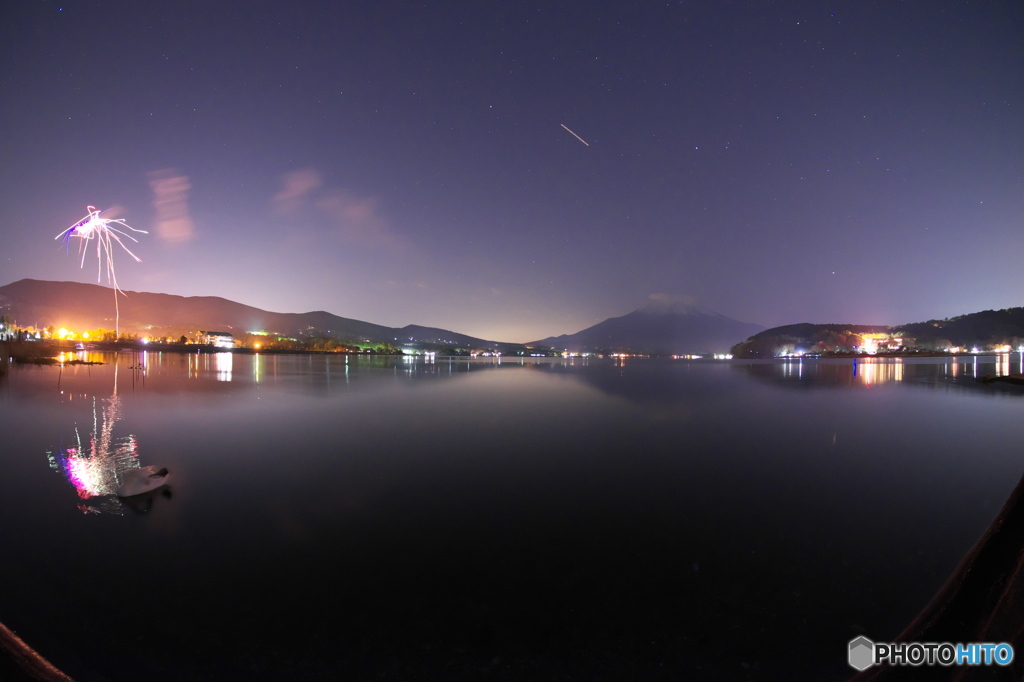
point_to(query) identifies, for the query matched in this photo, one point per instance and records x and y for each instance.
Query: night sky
(406, 163)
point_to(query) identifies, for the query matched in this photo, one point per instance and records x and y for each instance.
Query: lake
(335, 517)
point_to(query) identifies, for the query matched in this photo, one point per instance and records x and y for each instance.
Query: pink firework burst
(106, 232)
(103, 230)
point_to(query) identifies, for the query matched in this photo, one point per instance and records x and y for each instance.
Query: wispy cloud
(355, 219)
(298, 185)
(170, 199)
(358, 220)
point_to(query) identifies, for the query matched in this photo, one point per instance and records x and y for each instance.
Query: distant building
(217, 339)
(873, 343)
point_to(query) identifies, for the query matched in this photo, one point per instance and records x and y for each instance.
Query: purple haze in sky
(775, 162)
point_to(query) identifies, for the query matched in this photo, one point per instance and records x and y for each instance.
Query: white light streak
(575, 135)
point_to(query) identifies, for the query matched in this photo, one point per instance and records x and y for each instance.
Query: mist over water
(514, 519)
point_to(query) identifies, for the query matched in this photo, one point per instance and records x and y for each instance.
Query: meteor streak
(575, 135)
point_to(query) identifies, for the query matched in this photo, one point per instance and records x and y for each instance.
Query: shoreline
(24, 350)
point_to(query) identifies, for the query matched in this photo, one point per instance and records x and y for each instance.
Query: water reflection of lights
(224, 363)
(221, 364)
(870, 372)
(82, 356)
(96, 466)
(865, 372)
(969, 368)
(1003, 365)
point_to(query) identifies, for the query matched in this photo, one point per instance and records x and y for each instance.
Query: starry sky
(514, 170)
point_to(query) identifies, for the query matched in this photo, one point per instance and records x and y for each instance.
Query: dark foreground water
(385, 519)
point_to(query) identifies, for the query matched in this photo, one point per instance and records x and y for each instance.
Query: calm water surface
(382, 518)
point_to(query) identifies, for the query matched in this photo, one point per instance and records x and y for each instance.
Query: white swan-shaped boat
(142, 480)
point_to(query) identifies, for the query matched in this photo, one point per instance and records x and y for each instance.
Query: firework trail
(103, 230)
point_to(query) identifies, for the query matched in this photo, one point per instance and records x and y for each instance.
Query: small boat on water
(142, 480)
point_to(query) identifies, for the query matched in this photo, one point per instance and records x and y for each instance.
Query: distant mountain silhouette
(661, 328)
(78, 306)
(985, 329)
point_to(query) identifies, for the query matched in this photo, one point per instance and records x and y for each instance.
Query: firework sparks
(103, 230)
(106, 232)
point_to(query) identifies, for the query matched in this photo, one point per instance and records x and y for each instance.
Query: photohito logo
(863, 653)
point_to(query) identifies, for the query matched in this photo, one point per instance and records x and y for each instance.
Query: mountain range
(987, 329)
(658, 329)
(72, 305)
(661, 329)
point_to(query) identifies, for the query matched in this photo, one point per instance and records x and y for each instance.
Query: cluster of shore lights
(1004, 349)
(67, 334)
(692, 356)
